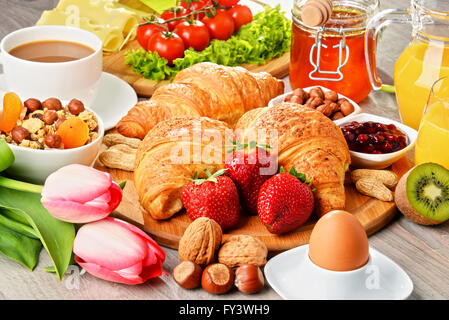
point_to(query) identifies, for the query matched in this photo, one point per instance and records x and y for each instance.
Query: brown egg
(339, 242)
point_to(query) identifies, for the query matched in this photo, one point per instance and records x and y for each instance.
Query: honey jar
(333, 55)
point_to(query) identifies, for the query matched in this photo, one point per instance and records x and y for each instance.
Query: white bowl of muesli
(37, 140)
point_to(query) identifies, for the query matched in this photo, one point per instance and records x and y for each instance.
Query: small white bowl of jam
(376, 142)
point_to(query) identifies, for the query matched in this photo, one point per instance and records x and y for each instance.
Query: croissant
(169, 156)
(203, 90)
(308, 141)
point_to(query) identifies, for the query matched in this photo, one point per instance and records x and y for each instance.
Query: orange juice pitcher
(424, 61)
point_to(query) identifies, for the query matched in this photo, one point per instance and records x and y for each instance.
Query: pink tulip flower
(114, 250)
(80, 194)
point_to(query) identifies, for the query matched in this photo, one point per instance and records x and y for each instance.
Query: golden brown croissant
(308, 141)
(169, 156)
(203, 90)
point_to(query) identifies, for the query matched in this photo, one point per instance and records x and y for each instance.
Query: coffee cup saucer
(115, 98)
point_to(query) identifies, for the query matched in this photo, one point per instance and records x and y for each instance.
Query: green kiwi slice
(428, 191)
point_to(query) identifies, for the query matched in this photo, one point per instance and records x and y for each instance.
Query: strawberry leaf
(210, 177)
(251, 145)
(301, 176)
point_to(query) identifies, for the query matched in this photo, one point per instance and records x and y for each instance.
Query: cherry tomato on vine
(221, 26)
(195, 5)
(144, 33)
(228, 3)
(171, 13)
(241, 15)
(195, 34)
(168, 45)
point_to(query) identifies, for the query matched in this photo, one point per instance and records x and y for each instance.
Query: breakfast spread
(47, 124)
(219, 163)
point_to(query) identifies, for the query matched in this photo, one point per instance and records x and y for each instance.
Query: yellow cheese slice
(110, 23)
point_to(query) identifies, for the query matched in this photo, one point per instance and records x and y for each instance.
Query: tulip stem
(19, 185)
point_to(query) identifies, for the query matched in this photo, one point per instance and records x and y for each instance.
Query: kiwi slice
(428, 191)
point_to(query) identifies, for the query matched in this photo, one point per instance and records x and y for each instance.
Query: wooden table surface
(423, 252)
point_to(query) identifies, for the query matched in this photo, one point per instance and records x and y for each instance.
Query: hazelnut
(338, 115)
(325, 109)
(288, 98)
(314, 102)
(59, 122)
(346, 107)
(217, 278)
(316, 93)
(303, 95)
(187, 275)
(76, 107)
(296, 99)
(249, 279)
(19, 134)
(53, 141)
(50, 116)
(331, 95)
(32, 105)
(52, 104)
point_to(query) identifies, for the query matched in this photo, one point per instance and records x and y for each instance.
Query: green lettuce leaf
(268, 36)
(56, 236)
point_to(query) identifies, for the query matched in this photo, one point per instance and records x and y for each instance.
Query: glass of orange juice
(432, 144)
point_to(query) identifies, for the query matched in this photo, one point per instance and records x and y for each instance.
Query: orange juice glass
(424, 61)
(432, 144)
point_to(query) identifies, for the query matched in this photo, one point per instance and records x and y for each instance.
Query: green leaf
(52, 269)
(8, 219)
(56, 236)
(159, 5)
(19, 247)
(122, 184)
(6, 156)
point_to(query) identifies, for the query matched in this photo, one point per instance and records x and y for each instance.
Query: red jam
(373, 137)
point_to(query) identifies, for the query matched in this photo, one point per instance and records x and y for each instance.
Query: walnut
(200, 241)
(239, 250)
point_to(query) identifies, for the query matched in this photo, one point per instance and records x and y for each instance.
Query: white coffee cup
(78, 79)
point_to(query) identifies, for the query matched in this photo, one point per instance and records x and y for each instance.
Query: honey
(332, 56)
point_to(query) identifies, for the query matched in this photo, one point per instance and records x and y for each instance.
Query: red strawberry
(248, 168)
(285, 202)
(215, 197)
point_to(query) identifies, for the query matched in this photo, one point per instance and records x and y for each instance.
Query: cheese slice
(111, 23)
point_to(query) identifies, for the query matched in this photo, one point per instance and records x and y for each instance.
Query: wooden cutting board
(115, 63)
(372, 213)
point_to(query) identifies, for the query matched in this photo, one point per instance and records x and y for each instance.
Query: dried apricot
(74, 133)
(12, 108)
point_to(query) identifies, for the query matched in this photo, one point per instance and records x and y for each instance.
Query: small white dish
(115, 98)
(35, 166)
(295, 277)
(380, 161)
(357, 109)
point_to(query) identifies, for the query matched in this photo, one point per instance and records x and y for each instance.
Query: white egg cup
(294, 276)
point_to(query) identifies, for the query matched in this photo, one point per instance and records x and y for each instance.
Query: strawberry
(246, 169)
(215, 197)
(285, 201)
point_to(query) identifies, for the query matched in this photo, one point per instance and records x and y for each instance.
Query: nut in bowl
(379, 159)
(332, 104)
(45, 136)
